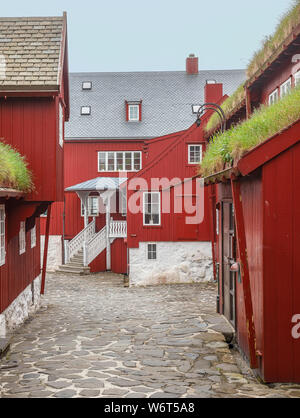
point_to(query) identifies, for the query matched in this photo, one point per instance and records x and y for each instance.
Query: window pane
(128, 161)
(133, 112)
(102, 161)
(111, 161)
(120, 161)
(137, 161)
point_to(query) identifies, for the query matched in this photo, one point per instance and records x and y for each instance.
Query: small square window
(195, 154)
(85, 110)
(87, 85)
(152, 252)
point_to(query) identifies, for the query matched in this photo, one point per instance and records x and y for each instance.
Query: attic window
(134, 111)
(87, 85)
(85, 110)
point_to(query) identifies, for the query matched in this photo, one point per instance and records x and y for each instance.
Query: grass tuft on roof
(285, 27)
(228, 106)
(14, 172)
(267, 121)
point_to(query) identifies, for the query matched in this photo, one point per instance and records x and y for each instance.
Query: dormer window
(87, 85)
(85, 110)
(133, 111)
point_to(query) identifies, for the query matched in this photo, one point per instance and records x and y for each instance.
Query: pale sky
(158, 35)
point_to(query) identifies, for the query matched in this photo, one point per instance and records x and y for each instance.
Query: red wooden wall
(19, 271)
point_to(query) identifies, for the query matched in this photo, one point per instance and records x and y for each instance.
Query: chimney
(213, 91)
(192, 64)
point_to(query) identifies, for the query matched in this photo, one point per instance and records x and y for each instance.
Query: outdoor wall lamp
(216, 108)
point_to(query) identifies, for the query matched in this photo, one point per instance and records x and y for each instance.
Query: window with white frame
(285, 88)
(113, 161)
(2, 235)
(93, 206)
(33, 237)
(61, 125)
(22, 238)
(151, 251)
(273, 98)
(86, 110)
(151, 208)
(195, 154)
(87, 85)
(133, 112)
(297, 79)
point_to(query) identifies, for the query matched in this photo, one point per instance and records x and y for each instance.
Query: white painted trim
(3, 254)
(115, 161)
(297, 78)
(22, 238)
(33, 237)
(274, 97)
(283, 86)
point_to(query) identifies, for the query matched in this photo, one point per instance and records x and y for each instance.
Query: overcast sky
(150, 35)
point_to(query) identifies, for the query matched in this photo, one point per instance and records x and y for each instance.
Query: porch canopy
(106, 186)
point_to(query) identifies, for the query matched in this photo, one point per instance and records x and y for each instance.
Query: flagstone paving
(94, 338)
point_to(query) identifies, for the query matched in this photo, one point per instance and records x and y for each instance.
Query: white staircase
(87, 245)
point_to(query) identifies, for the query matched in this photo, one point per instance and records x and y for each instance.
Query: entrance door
(229, 257)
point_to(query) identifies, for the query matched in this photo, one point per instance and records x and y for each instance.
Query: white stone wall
(21, 308)
(54, 252)
(177, 262)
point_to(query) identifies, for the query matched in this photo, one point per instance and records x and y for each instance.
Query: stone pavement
(95, 338)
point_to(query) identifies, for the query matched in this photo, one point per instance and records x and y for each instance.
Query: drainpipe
(46, 251)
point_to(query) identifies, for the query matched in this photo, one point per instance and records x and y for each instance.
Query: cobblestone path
(95, 338)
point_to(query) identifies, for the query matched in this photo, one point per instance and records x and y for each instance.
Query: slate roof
(30, 52)
(167, 102)
(99, 183)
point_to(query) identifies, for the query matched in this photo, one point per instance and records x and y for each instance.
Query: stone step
(74, 269)
(4, 346)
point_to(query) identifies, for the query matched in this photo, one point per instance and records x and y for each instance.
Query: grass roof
(285, 27)
(230, 146)
(228, 105)
(14, 172)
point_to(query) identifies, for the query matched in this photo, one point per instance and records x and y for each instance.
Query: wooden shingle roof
(31, 52)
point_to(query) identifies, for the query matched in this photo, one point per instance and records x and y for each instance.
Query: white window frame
(61, 125)
(22, 238)
(189, 154)
(297, 78)
(90, 206)
(2, 235)
(87, 85)
(284, 91)
(149, 251)
(115, 170)
(137, 108)
(159, 209)
(33, 237)
(273, 97)
(86, 110)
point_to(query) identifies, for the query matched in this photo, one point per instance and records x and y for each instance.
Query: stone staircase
(75, 266)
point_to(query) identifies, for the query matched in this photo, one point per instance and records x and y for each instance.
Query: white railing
(76, 244)
(118, 229)
(94, 247)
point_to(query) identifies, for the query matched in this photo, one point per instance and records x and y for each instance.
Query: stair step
(73, 270)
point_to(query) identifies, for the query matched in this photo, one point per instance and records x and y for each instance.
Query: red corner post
(46, 250)
(242, 250)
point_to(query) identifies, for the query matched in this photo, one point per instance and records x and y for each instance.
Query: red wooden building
(121, 127)
(34, 102)
(256, 216)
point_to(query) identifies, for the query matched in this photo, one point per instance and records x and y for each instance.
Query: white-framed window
(33, 237)
(93, 206)
(274, 97)
(61, 125)
(87, 85)
(133, 112)
(114, 161)
(2, 235)
(297, 78)
(285, 88)
(22, 238)
(195, 154)
(151, 208)
(151, 251)
(86, 110)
